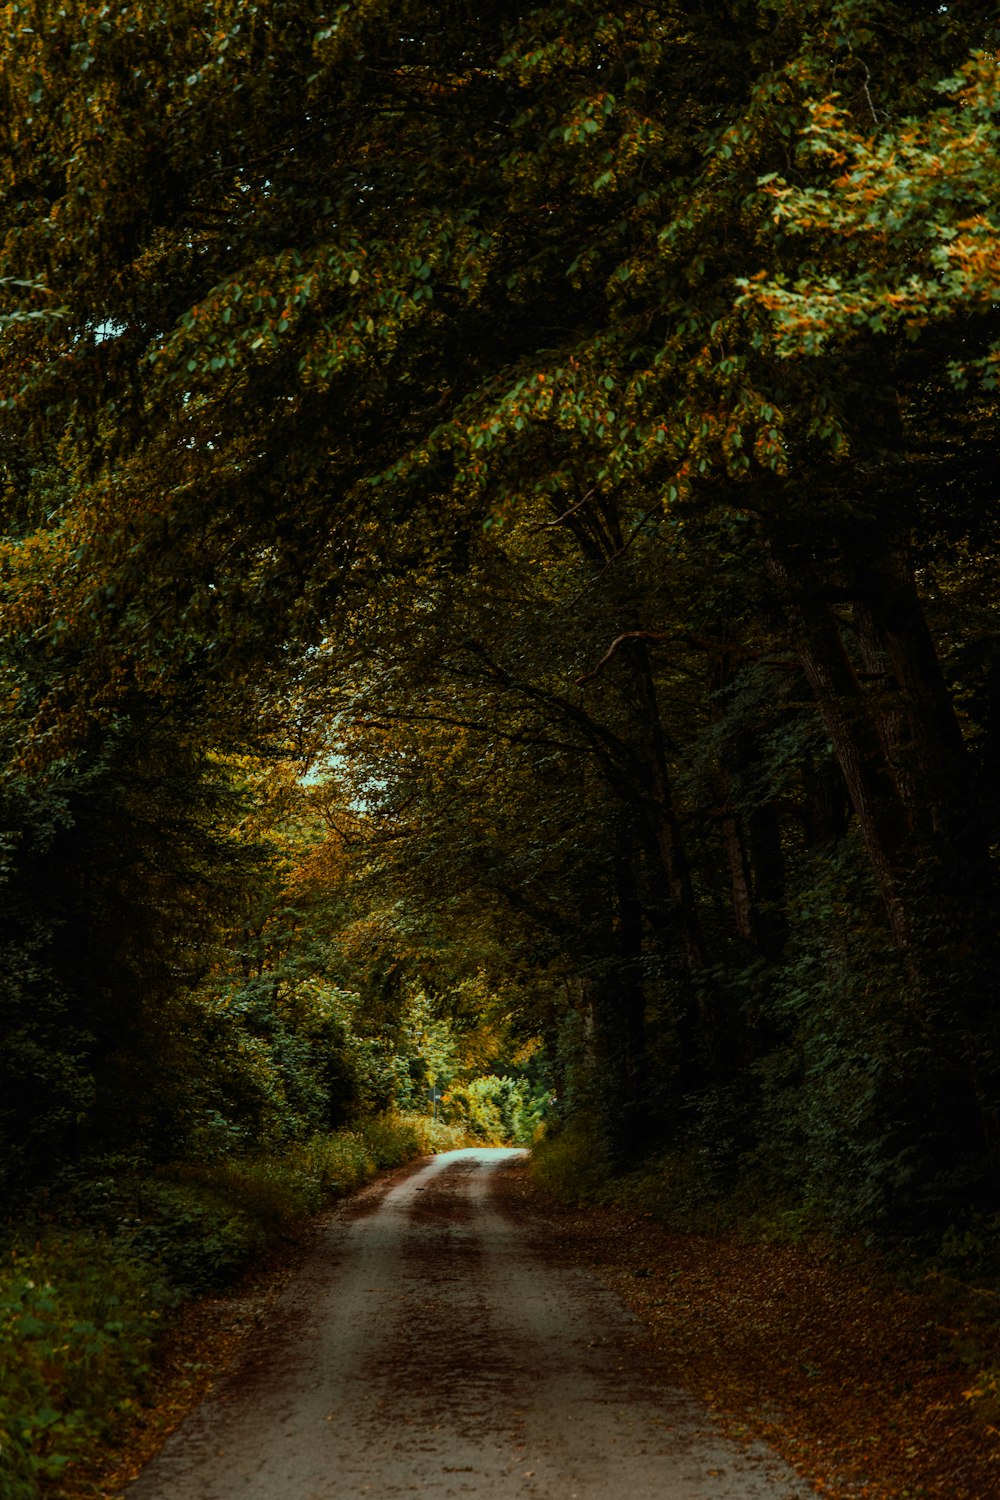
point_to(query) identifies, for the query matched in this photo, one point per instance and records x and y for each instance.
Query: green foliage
(390, 1139)
(77, 1322)
(79, 1314)
(278, 1057)
(199, 1221)
(495, 1111)
(435, 1135)
(394, 1138)
(923, 183)
(455, 597)
(570, 1164)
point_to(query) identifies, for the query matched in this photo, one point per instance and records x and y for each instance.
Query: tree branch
(616, 644)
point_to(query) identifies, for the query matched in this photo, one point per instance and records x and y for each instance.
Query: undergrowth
(77, 1322)
(86, 1287)
(683, 1188)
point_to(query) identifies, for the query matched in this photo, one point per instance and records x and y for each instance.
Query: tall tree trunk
(826, 811)
(738, 864)
(662, 816)
(936, 775)
(751, 840)
(767, 862)
(626, 1023)
(959, 896)
(919, 826)
(874, 793)
(887, 711)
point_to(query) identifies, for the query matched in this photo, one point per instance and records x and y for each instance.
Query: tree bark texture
(872, 787)
(935, 771)
(751, 836)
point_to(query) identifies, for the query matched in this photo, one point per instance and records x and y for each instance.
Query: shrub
(79, 1313)
(494, 1110)
(392, 1139)
(77, 1320)
(570, 1165)
(435, 1136)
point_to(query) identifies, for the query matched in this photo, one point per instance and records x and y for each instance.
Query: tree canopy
(554, 444)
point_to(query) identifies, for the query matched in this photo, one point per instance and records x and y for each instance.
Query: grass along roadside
(92, 1291)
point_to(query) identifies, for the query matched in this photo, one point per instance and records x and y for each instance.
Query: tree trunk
(626, 1026)
(826, 810)
(659, 812)
(751, 840)
(767, 862)
(936, 774)
(740, 882)
(871, 785)
(910, 783)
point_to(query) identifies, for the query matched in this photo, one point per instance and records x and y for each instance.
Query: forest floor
(859, 1384)
(863, 1385)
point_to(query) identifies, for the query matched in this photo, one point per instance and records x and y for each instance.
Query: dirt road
(430, 1347)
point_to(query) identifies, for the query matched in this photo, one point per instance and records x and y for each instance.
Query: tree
(351, 302)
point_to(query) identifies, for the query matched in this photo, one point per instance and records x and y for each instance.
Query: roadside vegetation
(94, 1271)
(249, 1043)
(85, 1293)
(498, 616)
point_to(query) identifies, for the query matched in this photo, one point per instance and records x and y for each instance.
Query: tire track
(429, 1347)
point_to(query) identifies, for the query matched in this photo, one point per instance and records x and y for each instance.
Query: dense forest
(499, 587)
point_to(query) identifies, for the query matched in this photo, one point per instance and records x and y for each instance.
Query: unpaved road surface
(431, 1347)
